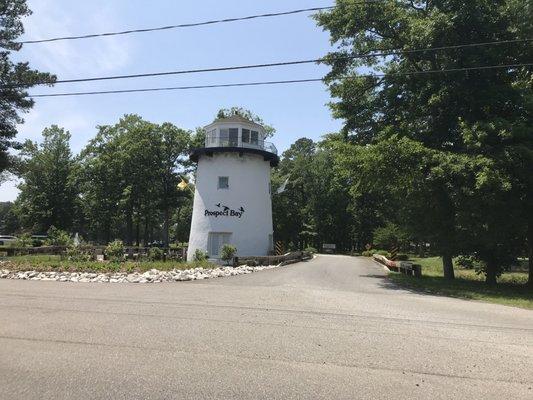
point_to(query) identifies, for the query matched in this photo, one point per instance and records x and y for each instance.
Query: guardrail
(134, 253)
(218, 141)
(23, 251)
(130, 252)
(285, 259)
(403, 267)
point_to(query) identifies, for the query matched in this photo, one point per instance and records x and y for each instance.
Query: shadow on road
(503, 293)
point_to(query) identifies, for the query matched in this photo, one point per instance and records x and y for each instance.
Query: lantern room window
(254, 137)
(233, 136)
(237, 134)
(246, 135)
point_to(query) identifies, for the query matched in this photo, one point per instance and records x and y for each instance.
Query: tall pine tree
(15, 78)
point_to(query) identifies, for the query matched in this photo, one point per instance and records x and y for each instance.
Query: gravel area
(152, 276)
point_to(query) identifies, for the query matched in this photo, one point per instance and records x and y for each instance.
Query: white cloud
(70, 59)
(78, 57)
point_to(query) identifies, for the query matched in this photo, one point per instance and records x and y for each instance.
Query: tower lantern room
(232, 200)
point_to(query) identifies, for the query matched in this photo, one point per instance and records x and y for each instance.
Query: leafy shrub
(389, 236)
(24, 240)
(310, 249)
(76, 254)
(228, 252)
(173, 256)
(292, 247)
(155, 254)
(251, 263)
(37, 242)
(58, 237)
(371, 252)
(114, 251)
(466, 262)
(200, 255)
(503, 262)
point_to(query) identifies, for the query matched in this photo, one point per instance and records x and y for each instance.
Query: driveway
(331, 328)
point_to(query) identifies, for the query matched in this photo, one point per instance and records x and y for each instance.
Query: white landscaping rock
(152, 276)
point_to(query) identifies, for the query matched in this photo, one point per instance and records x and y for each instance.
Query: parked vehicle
(6, 240)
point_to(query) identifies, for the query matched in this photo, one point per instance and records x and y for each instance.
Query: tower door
(215, 241)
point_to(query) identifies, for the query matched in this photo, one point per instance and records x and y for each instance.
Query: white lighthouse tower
(232, 201)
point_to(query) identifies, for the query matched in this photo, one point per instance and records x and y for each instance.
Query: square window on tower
(223, 182)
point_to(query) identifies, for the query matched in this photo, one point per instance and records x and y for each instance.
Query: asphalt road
(331, 328)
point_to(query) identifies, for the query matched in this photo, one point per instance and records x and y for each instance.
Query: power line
(179, 88)
(381, 53)
(168, 27)
(292, 81)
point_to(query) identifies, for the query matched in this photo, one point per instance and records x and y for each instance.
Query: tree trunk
(530, 265)
(178, 221)
(490, 278)
(107, 234)
(166, 227)
(145, 233)
(447, 266)
(421, 249)
(129, 227)
(530, 251)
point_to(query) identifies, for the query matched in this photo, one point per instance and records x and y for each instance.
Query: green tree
(247, 114)
(494, 214)
(138, 142)
(182, 216)
(315, 207)
(197, 139)
(100, 181)
(291, 208)
(116, 179)
(9, 222)
(453, 119)
(390, 236)
(15, 78)
(47, 194)
(58, 237)
(171, 159)
(129, 175)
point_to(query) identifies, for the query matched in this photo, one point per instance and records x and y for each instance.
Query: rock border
(152, 276)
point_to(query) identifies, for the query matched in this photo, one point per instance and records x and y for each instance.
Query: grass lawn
(511, 289)
(40, 262)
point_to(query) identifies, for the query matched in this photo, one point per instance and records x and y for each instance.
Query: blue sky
(294, 110)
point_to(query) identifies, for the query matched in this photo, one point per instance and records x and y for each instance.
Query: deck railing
(222, 141)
